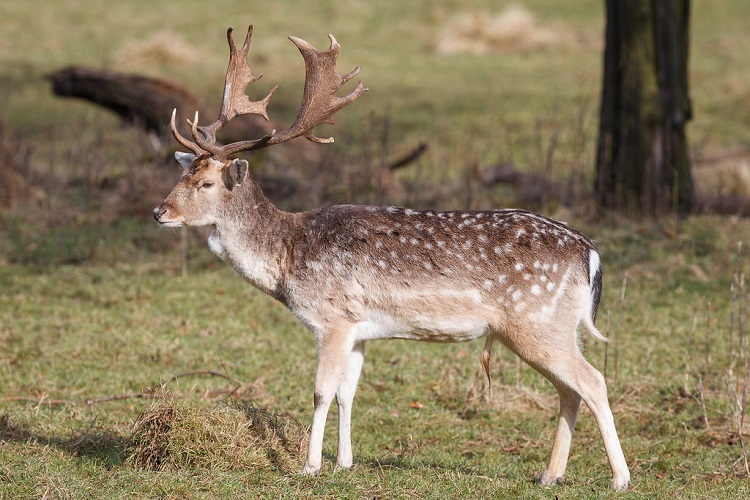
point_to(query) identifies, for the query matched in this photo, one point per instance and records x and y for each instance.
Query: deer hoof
(310, 470)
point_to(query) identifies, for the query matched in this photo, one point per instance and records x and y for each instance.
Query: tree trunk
(642, 160)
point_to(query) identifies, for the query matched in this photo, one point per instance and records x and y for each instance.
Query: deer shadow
(103, 446)
(411, 464)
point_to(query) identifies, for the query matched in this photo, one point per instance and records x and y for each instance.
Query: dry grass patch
(513, 29)
(230, 436)
(159, 50)
(722, 172)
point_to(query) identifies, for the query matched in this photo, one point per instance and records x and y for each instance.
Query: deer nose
(158, 212)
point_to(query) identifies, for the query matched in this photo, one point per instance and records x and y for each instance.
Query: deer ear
(184, 159)
(238, 171)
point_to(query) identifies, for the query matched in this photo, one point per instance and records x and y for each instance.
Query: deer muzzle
(158, 213)
(161, 216)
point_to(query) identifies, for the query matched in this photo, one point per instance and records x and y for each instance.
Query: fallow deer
(355, 273)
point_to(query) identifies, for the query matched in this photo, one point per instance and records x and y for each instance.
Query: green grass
(80, 333)
(95, 306)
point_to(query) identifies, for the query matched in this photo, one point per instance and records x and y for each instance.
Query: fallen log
(143, 101)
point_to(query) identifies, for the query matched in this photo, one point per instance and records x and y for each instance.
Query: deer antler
(319, 100)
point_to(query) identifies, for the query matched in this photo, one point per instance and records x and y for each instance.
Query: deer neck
(255, 238)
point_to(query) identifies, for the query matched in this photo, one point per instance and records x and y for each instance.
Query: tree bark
(642, 160)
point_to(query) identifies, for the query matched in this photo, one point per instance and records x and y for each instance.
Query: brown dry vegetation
(514, 29)
(234, 435)
(19, 188)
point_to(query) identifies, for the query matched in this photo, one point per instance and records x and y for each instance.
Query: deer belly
(427, 326)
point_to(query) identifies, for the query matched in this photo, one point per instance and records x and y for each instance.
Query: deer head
(210, 175)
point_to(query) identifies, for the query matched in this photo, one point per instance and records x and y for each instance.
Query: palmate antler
(319, 100)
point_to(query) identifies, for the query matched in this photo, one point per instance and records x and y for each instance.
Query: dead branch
(409, 157)
(211, 373)
(41, 401)
(146, 393)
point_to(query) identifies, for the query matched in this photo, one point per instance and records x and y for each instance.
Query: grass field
(132, 363)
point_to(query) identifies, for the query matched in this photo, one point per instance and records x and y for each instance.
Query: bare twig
(606, 344)
(742, 324)
(43, 401)
(619, 324)
(78, 441)
(742, 396)
(148, 392)
(195, 373)
(741, 401)
(409, 157)
(708, 339)
(237, 384)
(689, 353)
(735, 287)
(702, 401)
(183, 252)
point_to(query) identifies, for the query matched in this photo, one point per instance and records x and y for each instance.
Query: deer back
(495, 266)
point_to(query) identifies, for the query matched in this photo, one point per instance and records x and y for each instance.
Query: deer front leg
(334, 348)
(345, 399)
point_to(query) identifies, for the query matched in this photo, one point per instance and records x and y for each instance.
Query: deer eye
(206, 185)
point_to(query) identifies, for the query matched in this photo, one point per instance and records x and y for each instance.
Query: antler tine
(319, 99)
(207, 146)
(234, 102)
(179, 138)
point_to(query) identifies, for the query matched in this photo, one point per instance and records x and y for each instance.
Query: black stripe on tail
(596, 292)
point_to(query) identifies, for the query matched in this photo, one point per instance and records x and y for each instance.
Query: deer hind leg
(345, 399)
(570, 402)
(593, 389)
(558, 358)
(334, 349)
(577, 380)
